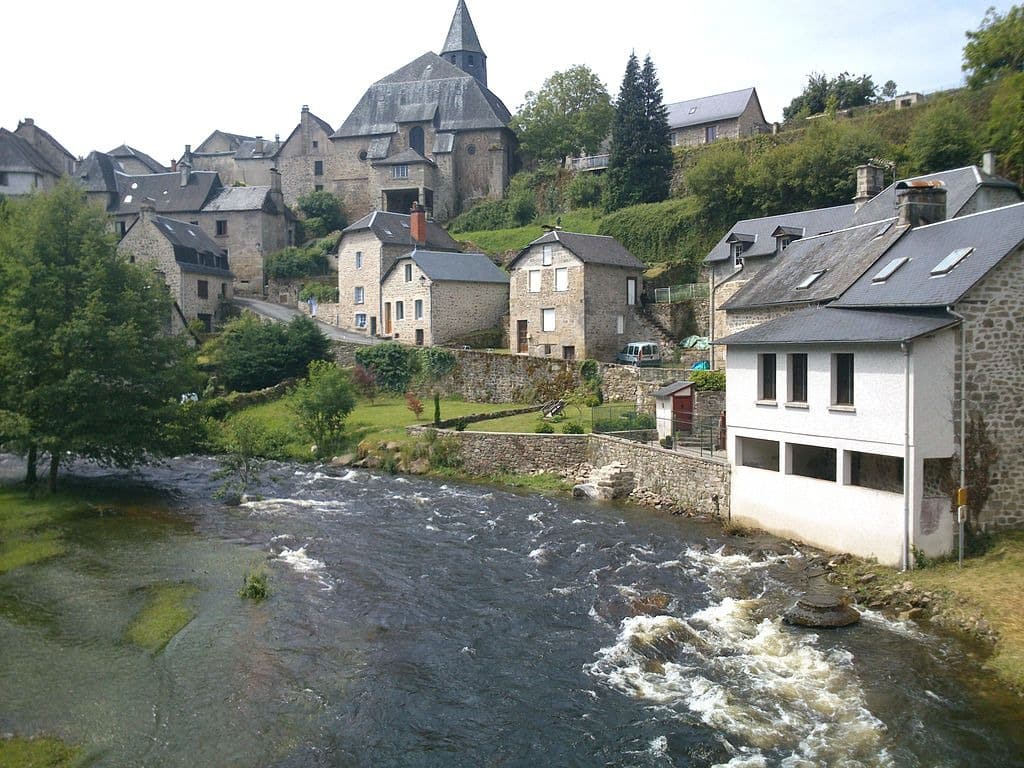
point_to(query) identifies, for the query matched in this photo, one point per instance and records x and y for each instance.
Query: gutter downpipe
(963, 420)
(905, 346)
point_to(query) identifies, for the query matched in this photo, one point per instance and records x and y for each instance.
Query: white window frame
(359, 295)
(547, 319)
(620, 325)
(631, 291)
(546, 257)
(360, 319)
(417, 309)
(561, 279)
(400, 172)
(399, 310)
(408, 273)
(359, 259)
(533, 281)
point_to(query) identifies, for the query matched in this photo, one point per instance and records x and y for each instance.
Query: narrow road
(284, 314)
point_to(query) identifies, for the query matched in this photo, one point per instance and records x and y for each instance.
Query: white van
(640, 353)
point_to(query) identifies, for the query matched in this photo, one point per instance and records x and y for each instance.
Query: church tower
(462, 47)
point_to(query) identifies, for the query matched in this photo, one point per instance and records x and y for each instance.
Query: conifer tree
(640, 165)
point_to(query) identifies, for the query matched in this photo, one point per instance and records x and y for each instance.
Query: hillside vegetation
(810, 165)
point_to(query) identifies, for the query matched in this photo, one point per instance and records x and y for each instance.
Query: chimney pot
(920, 203)
(305, 107)
(988, 162)
(418, 224)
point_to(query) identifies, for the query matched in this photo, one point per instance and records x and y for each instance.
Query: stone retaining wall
(696, 484)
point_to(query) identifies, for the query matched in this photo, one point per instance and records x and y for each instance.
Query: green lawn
(527, 422)
(499, 241)
(384, 421)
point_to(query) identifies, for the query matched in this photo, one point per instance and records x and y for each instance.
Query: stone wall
(995, 379)
(486, 377)
(696, 484)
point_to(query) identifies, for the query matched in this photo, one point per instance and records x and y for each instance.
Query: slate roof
(462, 34)
(49, 137)
(194, 250)
(125, 151)
(239, 199)
(671, 389)
(247, 149)
(842, 256)
(461, 101)
(98, 173)
(960, 183)
(454, 267)
(812, 222)
(17, 155)
(709, 109)
(166, 192)
(993, 234)
(234, 140)
(818, 325)
(407, 156)
(393, 229)
(324, 126)
(590, 249)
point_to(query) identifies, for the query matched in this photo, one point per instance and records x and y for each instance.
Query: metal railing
(676, 293)
(590, 163)
(706, 435)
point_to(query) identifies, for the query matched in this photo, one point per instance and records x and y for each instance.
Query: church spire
(462, 47)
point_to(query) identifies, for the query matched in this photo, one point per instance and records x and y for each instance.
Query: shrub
(572, 428)
(543, 428)
(585, 190)
(708, 381)
(323, 214)
(485, 215)
(255, 355)
(255, 586)
(436, 363)
(414, 404)
(365, 382)
(666, 441)
(392, 364)
(294, 262)
(445, 453)
(324, 293)
(322, 402)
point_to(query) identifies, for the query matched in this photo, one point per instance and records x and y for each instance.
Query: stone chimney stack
(920, 202)
(275, 182)
(259, 145)
(988, 162)
(870, 181)
(147, 207)
(418, 224)
(185, 169)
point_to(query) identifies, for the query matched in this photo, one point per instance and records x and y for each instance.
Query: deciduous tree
(996, 47)
(322, 402)
(570, 115)
(86, 367)
(840, 92)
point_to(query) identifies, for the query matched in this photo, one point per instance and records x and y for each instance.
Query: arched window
(416, 139)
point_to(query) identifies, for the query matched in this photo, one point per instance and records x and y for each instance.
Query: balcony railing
(590, 163)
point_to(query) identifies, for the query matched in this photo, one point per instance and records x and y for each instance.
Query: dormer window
(737, 255)
(400, 172)
(783, 242)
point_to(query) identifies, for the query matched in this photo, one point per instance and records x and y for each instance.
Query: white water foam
(301, 562)
(757, 682)
(278, 506)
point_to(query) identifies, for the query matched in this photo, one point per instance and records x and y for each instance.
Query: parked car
(640, 353)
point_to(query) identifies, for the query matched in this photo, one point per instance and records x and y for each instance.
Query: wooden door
(682, 411)
(522, 343)
(387, 318)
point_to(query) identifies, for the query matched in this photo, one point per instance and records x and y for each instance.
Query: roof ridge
(970, 215)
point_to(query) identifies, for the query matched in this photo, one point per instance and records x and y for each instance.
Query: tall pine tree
(640, 166)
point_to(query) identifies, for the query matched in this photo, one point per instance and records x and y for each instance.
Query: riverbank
(980, 601)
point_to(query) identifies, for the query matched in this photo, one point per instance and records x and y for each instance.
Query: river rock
(822, 609)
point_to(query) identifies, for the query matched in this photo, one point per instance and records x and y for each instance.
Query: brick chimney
(870, 181)
(988, 162)
(418, 224)
(920, 202)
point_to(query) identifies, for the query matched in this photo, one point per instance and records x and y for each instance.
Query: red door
(682, 411)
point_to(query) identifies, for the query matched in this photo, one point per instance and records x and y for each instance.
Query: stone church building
(430, 133)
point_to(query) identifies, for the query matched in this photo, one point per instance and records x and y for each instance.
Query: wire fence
(677, 293)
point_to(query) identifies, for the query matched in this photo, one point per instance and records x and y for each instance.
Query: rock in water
(822, 608)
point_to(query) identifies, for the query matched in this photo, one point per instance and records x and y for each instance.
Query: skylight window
(945, 266)
(135, 185)
(692, 110)
(810, 279)
(883, 229)
(127, 198)
(887, 271)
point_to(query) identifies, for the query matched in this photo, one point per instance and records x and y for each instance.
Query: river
(418, 623)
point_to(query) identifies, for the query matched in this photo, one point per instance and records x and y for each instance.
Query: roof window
(947, 264)
(808, 281)
(883, 229)
(887, 271)
(693, 109)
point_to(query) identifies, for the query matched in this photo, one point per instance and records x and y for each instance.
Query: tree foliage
(640, 162)
(393, 365)
(570, 115)
(1006, 125)
(322, 402)
(942, 138)
(322, 212)
(254, 354)
(996, 47)
(86, 366)
(823, 93)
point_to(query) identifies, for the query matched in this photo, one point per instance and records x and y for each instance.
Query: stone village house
(721, 116)
(367, 250)
(574, 296)
(433, 298)
(247, 223)
(846, 391)
(31, 159)
(191, 263)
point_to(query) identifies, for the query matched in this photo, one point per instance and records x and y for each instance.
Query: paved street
(285, 314)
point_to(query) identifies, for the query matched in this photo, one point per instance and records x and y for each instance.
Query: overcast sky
(159, 76)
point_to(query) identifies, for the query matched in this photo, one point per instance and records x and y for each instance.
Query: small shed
(674, 409)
